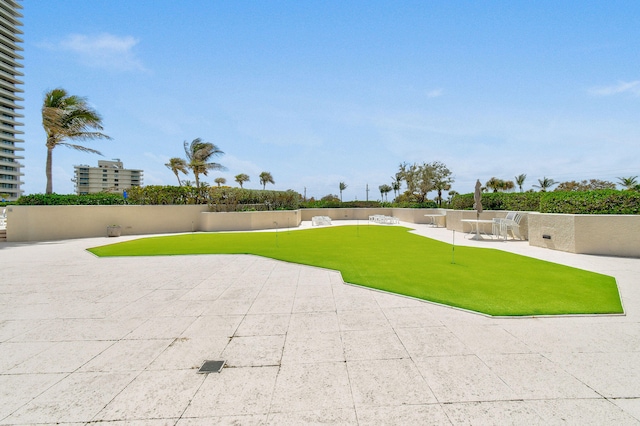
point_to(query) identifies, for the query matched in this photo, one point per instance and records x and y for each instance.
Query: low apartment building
(109, 176)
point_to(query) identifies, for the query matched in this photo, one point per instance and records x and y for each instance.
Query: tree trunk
(49, 189)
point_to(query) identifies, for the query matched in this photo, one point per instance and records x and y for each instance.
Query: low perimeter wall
(611, 235)
(46, 223)
(615, 235)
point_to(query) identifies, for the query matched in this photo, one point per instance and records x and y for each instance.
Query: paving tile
(343, 416)
(310, 322)
(152, 395)
(184, 308)
(427, 342)
(234, 392)
(419, 316)
(462, 378)
(613, 375)
(372, 344)
(390, 300)
(204, 292)
(631, 406)
(13, 328)
(189, 353)
(313, 347)
(146, 422)
(62, 357)
(303, 387)
(77, 398)
(314, 304)
(534, 376)
(254, 351)
(489, 338)
(248, 420)
(161, 328)
(214, 325)
(17, 390)
(81, 329)
(426, 414)
(581, 412)
(263, 325)
(228, 307)
(349, 298)
(127, 355)
(15, 353)
(388, 382)
(493, 413)
(366, 319)
(272, 305)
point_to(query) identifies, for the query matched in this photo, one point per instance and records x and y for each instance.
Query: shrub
(101, 198)
(516, 201)
(591, 202)
(234, 199)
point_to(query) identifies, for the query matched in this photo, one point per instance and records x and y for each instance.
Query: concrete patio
(119, 341)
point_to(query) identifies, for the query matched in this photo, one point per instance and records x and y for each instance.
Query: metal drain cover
(211, 367)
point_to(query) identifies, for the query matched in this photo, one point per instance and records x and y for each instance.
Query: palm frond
(80, 148)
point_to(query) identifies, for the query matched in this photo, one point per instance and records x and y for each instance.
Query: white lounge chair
(511, 223)
(382, 219)
(320, 220)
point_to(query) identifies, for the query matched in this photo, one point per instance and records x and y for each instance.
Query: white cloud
(632, 87)
(436, 93)
(101, 51)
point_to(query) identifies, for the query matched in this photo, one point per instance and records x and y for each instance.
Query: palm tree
(265, 178)
(545, 183)
(520, 180)
(199, 154)
(242, 178)
(220, 181)
(68, 118)
(396, 183)
(177, 165)
(384, 190)
(342, 187)
(628, 182)
(494, 183)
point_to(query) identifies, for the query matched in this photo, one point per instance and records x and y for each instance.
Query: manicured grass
(392, 259)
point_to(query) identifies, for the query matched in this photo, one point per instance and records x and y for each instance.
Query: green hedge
(515, 201)
(239, 199)
(319, 204)
(605, 201)
(102, 199)
(234, 199)
(156, 194)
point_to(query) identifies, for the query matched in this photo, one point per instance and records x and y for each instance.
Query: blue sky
(323, 92)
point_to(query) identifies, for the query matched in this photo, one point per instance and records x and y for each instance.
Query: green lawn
(392, 259)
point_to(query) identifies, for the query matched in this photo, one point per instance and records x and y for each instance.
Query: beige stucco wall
(614, 235)
(405, 215)
(46, 223)
(248, 221)
(345, 214)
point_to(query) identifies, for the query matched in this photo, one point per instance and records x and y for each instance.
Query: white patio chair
(511, 223)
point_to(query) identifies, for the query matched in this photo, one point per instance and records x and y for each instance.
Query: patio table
(476, 226)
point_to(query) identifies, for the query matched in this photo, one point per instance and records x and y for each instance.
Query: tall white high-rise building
(10, 167)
